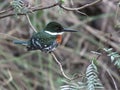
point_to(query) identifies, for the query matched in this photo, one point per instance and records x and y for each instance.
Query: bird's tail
(25, 43)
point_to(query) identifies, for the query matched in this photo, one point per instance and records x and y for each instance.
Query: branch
(31, 23)
(62, 71)
(79, 8)
(101, 37)
(116, 88)
(33, 9)
(60, 4)
(53, 5)
(9, 80)
(4, 11)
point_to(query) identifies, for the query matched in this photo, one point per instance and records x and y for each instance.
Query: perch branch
(61, 68)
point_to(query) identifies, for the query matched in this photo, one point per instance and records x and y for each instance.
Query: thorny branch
(60, 4)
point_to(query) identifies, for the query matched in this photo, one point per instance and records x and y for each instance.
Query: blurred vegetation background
(35, 70)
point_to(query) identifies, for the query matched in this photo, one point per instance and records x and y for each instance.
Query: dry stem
(60, 65)
(60, 4)
(31, 23)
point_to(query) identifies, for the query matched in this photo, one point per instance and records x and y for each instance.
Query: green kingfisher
(47, 39)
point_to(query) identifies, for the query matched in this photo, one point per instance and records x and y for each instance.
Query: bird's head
(55, 28)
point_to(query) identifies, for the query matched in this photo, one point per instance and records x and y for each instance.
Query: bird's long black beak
(69, 30)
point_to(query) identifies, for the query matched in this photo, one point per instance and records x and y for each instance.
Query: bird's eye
(59, 29)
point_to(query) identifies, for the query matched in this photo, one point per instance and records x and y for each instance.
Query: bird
(47, 39)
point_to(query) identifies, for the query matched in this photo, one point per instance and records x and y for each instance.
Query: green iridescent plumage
(42, 41)
(45, 40)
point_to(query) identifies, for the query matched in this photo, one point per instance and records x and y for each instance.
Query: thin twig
(3, 35)
(31, 10)
(82, 13)
(53, 5)
(116, 88)
(10, 78)
(4, 11)
(117, 10)
(99, 36)
(31, 23)
(62, 71)
(110, 73)
(116, 16)
(79, 8)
